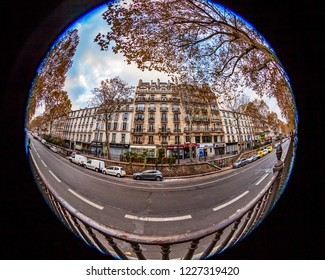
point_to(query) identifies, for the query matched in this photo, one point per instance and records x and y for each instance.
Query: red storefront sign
(187, 145)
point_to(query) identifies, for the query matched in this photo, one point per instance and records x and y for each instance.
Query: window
(176, 117)
(177, 140)
(125, 116)
(115, 126)
(100, 137)
(113, 137)
(164, 107)
(123, 138)
(152, 107)
(164, 128)
(138, 128)
(139, 117)
(206, 139)
(89, 137)
(163, 117)
(197, 139)
(151, 117)
(164, 138)
(151, 128)
(140, 107)
(150, 139)
(124, 125)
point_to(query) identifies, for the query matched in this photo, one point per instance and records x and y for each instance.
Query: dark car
(240, 162)
(148, 175)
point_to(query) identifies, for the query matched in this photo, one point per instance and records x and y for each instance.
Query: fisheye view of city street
(161, 129)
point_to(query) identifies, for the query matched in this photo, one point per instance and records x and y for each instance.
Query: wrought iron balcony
(161, 130)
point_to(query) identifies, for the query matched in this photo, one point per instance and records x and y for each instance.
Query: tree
(197, 38)
(51, 75)
(56, 107)
(237, 106)
(273, 121)
(259, 111)
(110, 98)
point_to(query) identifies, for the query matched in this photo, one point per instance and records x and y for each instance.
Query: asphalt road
(172, 206)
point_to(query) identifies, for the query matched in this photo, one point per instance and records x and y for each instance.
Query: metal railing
(198, 244)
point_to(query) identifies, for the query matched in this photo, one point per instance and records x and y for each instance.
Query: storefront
(232, 148)
(151, 151)
(96, 148)
(187, 150)
(205, 150)
(219, 148)
(116, 150)
(175, 150)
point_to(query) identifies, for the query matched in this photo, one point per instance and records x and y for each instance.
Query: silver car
(148, 175)
(117, 171)
(239, 163)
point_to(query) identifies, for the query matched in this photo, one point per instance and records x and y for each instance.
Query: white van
(95, 164)
(78, 159)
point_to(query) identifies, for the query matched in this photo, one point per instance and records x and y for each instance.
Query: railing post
(278, 168)
(137, 250)
(191, 250)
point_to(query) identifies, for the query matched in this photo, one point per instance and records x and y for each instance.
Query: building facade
(162, 122)
(85, 130)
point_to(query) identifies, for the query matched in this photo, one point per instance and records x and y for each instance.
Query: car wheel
(158, 178)
(104, 172)
(96, 169)
(85, 166)
(118, 175)
(138, 178)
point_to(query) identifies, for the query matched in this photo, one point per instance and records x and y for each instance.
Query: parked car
(95, 164)
(148, 175)
(43, 141)
(240, 162)
(78, 159)
(260, 154)
(266, 151)
(117, 171)
(54, 149)
(252, 158)
(270, 148)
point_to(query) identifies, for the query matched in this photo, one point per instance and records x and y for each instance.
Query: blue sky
(91, 66)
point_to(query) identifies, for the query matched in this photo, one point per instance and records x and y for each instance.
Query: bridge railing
(198, 244)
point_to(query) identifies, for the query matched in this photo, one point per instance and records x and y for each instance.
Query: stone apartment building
(233, 138)
(161, 121)
(84, 130)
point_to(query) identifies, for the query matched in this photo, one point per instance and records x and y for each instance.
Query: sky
(91, 65)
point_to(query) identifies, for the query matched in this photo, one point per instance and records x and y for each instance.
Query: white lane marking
(160, 219)
(230, 201)
(43, 163)
(260, 180)
(38, 155)
(56, 178)
(33, 146)
(86, 200)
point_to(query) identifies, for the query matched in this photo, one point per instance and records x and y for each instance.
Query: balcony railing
(162, 130)
(198, 244)
(138, 130)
